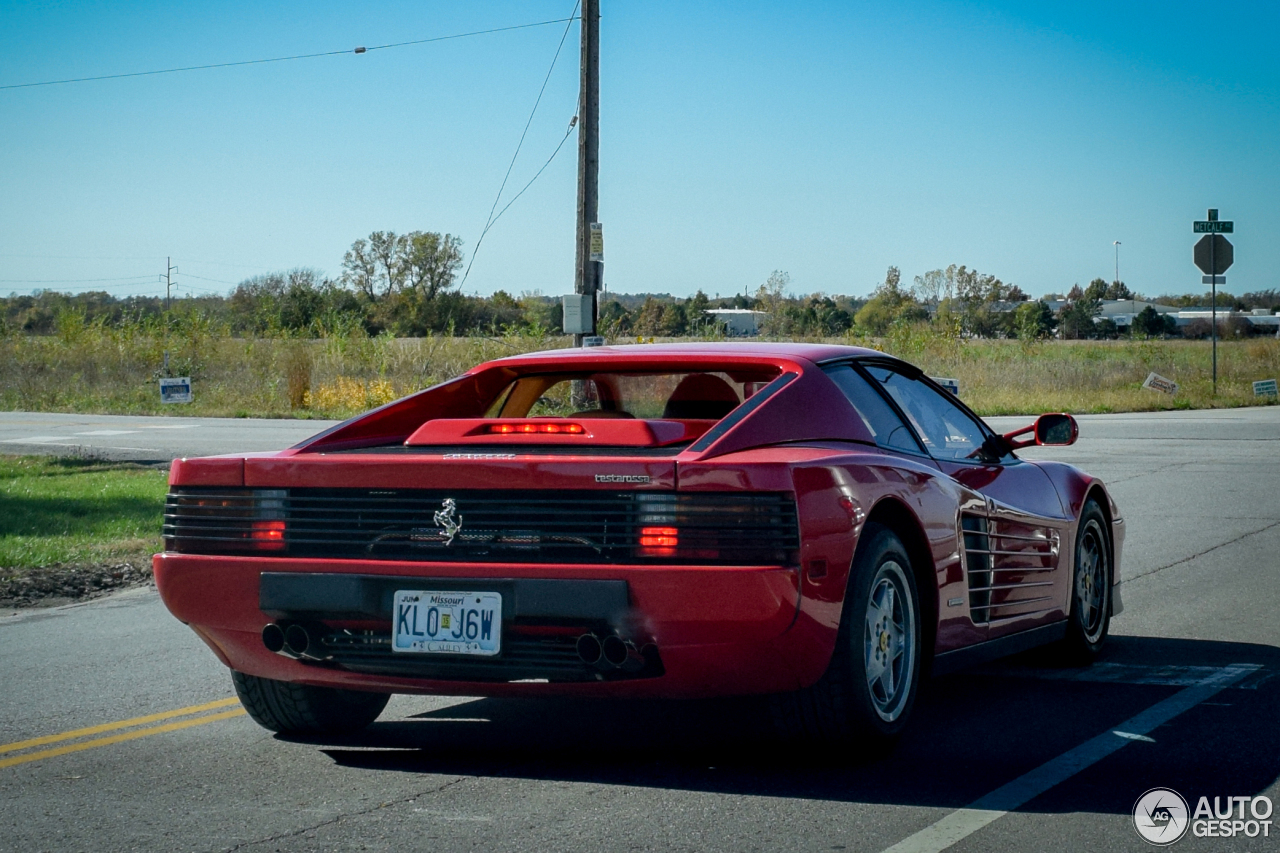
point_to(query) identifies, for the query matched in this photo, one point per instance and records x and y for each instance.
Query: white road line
(169, 426)
(964, 822)
(1166, 675)
(108, 432)
(38, 439)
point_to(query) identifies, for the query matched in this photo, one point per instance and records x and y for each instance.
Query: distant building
(1122, 311)
(738, 321)
(1258, 318)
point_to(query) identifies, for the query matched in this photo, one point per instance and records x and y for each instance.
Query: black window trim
(893, 407)
(912, 372)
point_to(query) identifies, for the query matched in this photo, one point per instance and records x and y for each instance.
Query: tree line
(406, 285)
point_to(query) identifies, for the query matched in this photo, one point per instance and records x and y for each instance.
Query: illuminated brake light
(268, 535)
(659, 541)
(532, 428)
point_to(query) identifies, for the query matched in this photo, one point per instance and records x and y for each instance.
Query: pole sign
(176, 389)
(1213, 254)
(1203, 226)
(1212, 225)
(597, 243)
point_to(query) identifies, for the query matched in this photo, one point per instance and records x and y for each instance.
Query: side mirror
(1054, 430)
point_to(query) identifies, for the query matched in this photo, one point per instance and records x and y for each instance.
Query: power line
(288, 58)
(489, 222)
(202, 278)
(563, 140)
(67, 280)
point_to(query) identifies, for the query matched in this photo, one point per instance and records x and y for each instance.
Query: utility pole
(170, 269)
(588, 273)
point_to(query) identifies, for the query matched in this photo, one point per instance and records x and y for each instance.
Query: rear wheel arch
(898, 518)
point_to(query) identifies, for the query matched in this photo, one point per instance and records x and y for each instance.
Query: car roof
(696, 352)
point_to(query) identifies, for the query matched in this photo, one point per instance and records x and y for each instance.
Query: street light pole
(1116, 243)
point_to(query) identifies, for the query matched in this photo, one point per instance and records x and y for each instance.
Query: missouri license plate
(451, 623)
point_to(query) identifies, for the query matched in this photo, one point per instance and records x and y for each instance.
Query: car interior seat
(701, 396)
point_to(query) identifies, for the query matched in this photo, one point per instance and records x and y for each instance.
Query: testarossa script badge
(622, 478)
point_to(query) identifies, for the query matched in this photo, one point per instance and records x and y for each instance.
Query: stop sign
(1214, 254)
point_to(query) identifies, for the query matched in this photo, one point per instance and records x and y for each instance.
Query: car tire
(863, 701)
(1089, 619)
(303, 709)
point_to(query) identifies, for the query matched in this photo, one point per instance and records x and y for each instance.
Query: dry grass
(115, 371)
(98, 368)
(1008, 377)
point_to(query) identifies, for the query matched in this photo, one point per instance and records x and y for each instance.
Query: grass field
(77, 512)
(113, 370)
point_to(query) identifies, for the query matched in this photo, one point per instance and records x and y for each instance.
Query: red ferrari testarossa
(820, 523)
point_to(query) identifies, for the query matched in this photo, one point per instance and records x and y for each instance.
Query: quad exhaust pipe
(294, 640)
(301, 641)
(610, 652)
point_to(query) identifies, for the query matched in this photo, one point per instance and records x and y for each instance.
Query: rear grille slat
(494, 525)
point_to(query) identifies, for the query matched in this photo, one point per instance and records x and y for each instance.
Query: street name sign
(1204, 226)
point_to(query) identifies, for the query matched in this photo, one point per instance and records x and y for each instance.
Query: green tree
(1149, 323)
(648, 319)
(1077, 318)
(1118, 290)
(1033, 321)
(430, 261)
(889, 303)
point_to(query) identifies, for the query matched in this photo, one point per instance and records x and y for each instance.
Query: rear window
(672, 395)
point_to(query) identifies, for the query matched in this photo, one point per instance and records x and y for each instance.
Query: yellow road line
(120, 738)
(111, 727)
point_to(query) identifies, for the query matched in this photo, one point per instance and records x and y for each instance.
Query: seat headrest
(701, 396)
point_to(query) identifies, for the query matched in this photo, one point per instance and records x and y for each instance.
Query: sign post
(1213, 254)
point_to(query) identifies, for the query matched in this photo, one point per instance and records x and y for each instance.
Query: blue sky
(829, 140)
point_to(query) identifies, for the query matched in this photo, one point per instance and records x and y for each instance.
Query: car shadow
(973, 732)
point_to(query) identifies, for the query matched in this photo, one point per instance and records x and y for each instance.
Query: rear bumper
(720, 630)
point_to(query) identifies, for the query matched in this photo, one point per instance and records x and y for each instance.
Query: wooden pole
(588, 273)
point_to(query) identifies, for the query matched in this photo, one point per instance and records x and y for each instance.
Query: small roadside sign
(952, 385)
(1266, 388)
(176, 389)
(1213, 279)
(1156, 382)
(592, 340)
(597, 243)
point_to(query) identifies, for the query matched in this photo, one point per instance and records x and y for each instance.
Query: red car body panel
(720, 629)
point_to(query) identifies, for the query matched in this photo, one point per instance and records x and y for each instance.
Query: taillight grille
(486, 526)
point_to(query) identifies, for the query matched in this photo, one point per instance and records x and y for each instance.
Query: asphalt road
(146, 438)
(1016, 756)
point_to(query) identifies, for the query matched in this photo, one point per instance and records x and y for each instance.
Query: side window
(947, 430)
(882, 421)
